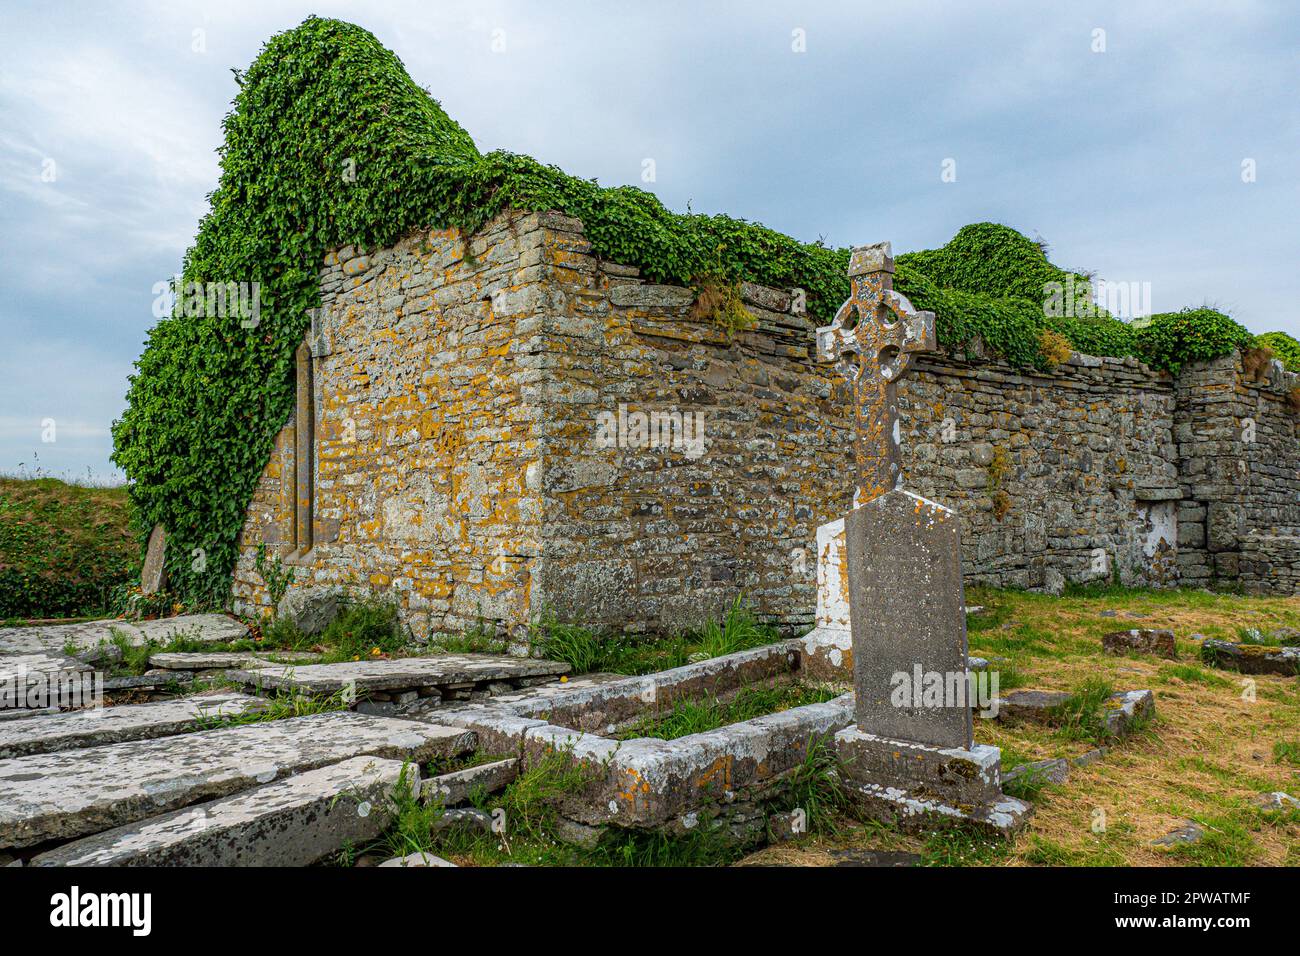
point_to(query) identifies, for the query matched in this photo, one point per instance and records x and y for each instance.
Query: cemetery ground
(1220, 740)
(1198, 770)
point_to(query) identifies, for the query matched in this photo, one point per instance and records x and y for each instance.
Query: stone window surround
(304, 458)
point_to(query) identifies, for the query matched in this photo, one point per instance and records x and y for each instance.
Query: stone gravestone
(153, 576)
(910, 756)
(871, 341)
(908, 617)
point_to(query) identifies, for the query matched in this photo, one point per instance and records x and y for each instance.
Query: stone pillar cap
(865, 260)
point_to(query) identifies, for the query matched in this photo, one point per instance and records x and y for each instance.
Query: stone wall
(521, 428)
(744, 452)
(1239, 470)
(1060, 476)
(427, 450)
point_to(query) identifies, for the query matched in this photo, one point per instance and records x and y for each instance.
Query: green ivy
(330, 143)
(1171, 339)
(1285, 348)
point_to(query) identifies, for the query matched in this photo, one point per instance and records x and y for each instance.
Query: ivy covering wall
(330, 142)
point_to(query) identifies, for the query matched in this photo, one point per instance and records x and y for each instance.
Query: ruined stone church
(495, 429)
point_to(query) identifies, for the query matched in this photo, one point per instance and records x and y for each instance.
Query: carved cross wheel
(872, 340)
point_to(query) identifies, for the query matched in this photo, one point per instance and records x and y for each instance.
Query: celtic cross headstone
(911, 751)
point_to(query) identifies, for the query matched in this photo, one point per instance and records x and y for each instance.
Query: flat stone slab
(1056, 770)
(1126, 707)
(1189, 832)
(418, 859)
(112, 725)
(1036, 705)
(292, 822)
(1252, 658)
(226, 660)
(456, 787)
(156, 680)
(88, 635)
(403, 673)
(1158, 642)
(42, 680)
(73, 793)
(1277, 800)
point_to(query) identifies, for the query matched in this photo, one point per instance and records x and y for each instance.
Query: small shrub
(1172, 339)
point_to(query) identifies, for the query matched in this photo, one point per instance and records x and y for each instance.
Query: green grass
(64, 549)
(1083, 716)
(577, 646)
(697, 716)
(477, 640)
(411, 830)
(361, 628)
(1226, 842)
(1287, 751)
(1193, 674)
(280, 707)
(587, 650)
(1257, 636)
(738, 630)
(1028, 785)
(1101, 852)
(816, 788)
(963, 846)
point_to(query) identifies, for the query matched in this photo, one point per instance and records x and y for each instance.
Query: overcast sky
(1124, 149)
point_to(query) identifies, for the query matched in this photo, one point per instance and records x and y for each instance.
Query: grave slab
(418, 859)
(153, 576)
(1158, 642)
(456, 787)
(915, 786)
(227, 660)
(400, 674)
(44, 679)
(1252, 658)
(111, 725)
(292, 822)
(88, 635)
(73, 793)
(908, 620)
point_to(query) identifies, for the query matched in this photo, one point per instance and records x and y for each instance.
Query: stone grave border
(647, 782)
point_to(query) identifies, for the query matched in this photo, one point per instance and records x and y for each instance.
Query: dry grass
(1207, 755)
